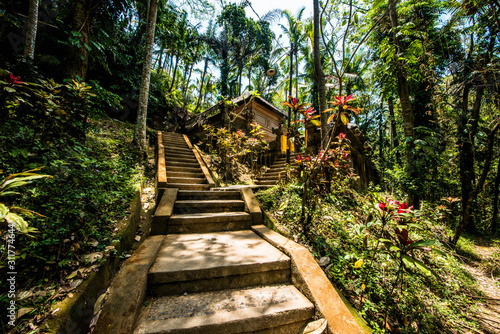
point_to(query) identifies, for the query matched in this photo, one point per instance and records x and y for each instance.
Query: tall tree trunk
(77, 59)
(186, 84)
(205, 68)
(160, 60)
(140, 127)
(394, 133)
(320, 77)
(289, 109)
(381, 132)
(496, 190)
(404, 98)
(468, 206)
(174, 74)
(29, 51)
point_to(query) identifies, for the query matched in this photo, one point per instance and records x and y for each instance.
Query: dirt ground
(488, 314)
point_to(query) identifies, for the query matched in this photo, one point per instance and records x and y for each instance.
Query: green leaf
(377, 4)
(19, 223)
(423, 243)
(4, 210)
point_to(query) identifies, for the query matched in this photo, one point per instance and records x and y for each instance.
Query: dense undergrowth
(396, 287)
(93, 181)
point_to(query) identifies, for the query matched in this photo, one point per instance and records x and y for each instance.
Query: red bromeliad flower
(294, 104)
(341, 136)
(11, 79)
(382, 206)
(403, 237)
(345, 155)
(308, 113)
(341, 100)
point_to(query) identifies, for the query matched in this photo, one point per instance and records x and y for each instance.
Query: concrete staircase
(212, 273)
(209, 267)
(183, 168)
(276, 172)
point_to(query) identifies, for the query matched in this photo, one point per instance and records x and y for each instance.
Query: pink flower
(345, 155)
(341, 136)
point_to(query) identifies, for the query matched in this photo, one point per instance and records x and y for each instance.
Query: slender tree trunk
(77, 58)
(320, 77)
(468, 206)
(496, 190)
(394, 133)
(381, 132)
(201, 85)
(186, 85)
(174, 73)
(160, 61)
(140, 127)
(404, 98)
(289, 109)
(29, 51)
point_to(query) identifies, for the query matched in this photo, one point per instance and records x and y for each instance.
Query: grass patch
(92, 184)
(367, 270)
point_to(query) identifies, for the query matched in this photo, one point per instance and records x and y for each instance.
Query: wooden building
(238, 114)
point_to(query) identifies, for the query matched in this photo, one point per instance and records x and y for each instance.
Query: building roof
(215, 109)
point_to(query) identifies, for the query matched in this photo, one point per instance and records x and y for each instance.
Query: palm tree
(29, 51)
(140, 128)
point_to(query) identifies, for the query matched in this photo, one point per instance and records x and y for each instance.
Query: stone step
(206, 206)
(278, 309)
(207, 195)
(191, 180)
(184, 169)
(175, 144)
(209, 222)
(266, 182)
(177, 150)
(188, 186)
(215, 261)
(182, 174)
(181, 164)
(183, 158)
(268, 177)
(275, 171)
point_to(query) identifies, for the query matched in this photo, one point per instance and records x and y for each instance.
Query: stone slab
(164, 211)
(128, 290)
(310, 279)
(188, 257)
(229, 311)
(252, 205)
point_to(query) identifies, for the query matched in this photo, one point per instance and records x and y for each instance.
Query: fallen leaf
(23, 311)
(315, 327)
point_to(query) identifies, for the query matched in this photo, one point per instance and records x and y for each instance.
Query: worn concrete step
(177, 150)
(188, 186)
(184, 169)
(214, 217)
(175, 144)
(181, 164)
(191, 180)
(266, 182)
(268, 177)
(275, 171)
(215, 261)
(206, 206)
(182, 174)
(278, 309)
(208, 195)
(184, 158)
